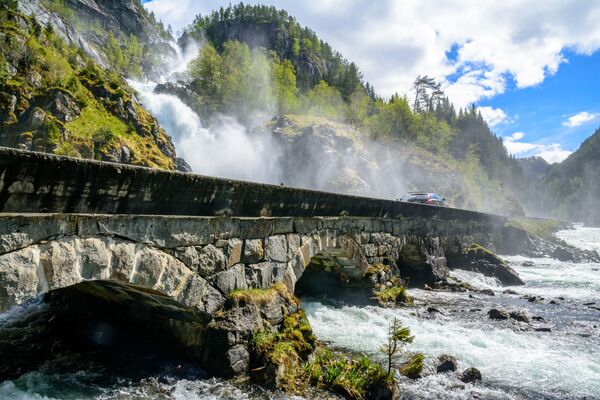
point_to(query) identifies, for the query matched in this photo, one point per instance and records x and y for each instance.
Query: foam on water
(476, 279)
(530, 360)
(581, 237)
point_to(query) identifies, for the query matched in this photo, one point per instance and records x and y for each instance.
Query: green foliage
(414, 367)
(394, 294)
(398, 336)
(288, 349)
(125, 55)
(355, 377)
(324, 101)
(264, 26)
(286, 92)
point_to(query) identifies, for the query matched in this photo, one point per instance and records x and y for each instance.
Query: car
(432, 199)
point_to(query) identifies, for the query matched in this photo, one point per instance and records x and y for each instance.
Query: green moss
(544, 228)
(394, 294)
(354, 377)
(261, 296)
(287, 350)
(93, 118)
(476, 248)
(413, 368)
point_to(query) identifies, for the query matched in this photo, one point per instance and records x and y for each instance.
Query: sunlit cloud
(579, 119)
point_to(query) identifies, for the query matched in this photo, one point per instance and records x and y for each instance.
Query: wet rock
(562, 254)
(100, 324)
(553, 302)
(538, 318)
(228, 337)
(479, 259)
(534, 299)
(495, 313)
(488, 292)
(543, 329)
(528, 263)
(509, 291)
(519, 316)
(470, 375)
(433, 310)
(446, 363)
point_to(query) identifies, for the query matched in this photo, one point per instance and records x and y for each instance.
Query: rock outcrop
(477, 258)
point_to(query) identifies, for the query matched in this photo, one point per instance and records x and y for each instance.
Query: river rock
(478, 259)
(495, 313)
(488, 292)
(562, 254)
(446, 363)
(519, 316)
(470, 375)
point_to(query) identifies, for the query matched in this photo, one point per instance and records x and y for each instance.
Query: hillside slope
(54, 98)
(573, 187)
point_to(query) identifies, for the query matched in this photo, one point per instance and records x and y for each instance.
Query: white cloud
(580, 118)
(493, 116)
(550, 152)
(517, 135)
(394, 41)
(554, 153)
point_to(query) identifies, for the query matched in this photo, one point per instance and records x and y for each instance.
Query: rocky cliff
(54, 98)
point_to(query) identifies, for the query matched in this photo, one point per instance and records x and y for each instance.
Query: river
(516, 360)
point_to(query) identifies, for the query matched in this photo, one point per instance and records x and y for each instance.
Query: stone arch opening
(100, 324)
(418, 267)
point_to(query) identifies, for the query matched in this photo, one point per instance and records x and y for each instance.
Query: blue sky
(531, 67)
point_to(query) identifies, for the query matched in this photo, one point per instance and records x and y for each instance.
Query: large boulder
(477, 258)
(228, 339)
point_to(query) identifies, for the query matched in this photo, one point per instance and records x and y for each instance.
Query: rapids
(516, 361)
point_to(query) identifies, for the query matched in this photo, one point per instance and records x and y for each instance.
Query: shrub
(413, 368)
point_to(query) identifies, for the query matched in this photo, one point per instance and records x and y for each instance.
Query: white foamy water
(515, 363)
(225, 150)
(582, 237)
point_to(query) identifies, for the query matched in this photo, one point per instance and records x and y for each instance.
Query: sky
(530, 66)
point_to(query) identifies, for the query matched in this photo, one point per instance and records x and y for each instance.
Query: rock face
(479, 259)
(446, 363)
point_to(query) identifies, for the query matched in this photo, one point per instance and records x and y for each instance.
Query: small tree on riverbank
(398, 337)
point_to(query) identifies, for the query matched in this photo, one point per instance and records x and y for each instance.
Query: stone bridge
(197, 239)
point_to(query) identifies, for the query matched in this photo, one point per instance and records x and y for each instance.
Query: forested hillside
(258, 59)
(572, 188)
(62, 90)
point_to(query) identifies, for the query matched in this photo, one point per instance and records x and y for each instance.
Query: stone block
(234, 251)
(19, 279)
(276, 248)
(253, 251)
(231, 279)
(94, 257)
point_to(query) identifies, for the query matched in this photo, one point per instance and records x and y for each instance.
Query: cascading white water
(515, 360)
(226, 150)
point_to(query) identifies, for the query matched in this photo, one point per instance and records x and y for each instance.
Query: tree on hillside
(427, 93)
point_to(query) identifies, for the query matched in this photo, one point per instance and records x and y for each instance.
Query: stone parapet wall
(40, 182)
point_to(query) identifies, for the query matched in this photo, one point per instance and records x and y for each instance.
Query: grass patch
(413, 368)
(544, 228)
(261, 296)
(477, 248)
(285, 352)
(354, 377)
(394, 294)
